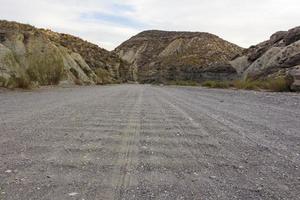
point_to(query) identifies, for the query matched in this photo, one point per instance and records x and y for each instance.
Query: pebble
(72, 194)
(8, 171)
(213, 177)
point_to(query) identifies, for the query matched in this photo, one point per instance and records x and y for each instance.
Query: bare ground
(148, 142)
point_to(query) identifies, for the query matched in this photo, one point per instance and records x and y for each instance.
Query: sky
(108, 23)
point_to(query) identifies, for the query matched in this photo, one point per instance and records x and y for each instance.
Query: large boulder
(275, 57)
(295, 74)
(240, 64)
(292, 36)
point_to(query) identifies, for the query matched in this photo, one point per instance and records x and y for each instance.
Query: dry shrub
(183, 83)
(279, 84)
(216, 84)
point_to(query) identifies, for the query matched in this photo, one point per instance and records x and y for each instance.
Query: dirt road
(149, 142)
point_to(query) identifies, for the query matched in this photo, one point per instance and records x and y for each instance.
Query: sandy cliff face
(277, 57)
(160, 56)
(30, 56)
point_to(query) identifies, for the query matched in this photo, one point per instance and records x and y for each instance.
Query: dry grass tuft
(280, 84)
(183, 83)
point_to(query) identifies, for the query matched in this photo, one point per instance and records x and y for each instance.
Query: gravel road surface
(149, 142)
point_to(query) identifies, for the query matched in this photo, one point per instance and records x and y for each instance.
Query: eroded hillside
(161, 56)
(31, 56)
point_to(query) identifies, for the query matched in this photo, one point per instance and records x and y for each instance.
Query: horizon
(110, 23)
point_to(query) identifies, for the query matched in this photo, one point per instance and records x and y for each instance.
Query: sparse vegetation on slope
(277, 57)
(163, 56)
(279, 84)
(183, 83)
(31, 56)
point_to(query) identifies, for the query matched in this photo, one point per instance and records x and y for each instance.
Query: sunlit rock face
(31, 56)
(277, 57)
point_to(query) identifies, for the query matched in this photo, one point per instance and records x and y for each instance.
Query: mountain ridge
(184, 52)
(35, 56)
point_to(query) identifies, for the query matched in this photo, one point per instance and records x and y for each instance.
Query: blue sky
(118, 20)
(110, 22)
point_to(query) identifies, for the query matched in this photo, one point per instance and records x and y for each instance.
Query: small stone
(213, 177)
(72, 194)
(8, 171)
(259, 189)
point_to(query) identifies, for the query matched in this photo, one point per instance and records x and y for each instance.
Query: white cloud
(242, 22)
(65, 16)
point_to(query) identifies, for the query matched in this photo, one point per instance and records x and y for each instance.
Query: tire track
(235, 128)
(188, 105)
(168, 110)
(123, 176)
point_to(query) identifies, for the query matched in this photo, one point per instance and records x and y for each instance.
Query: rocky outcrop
(294, 72)
(277, 57)
(161, 56)
(41, 57)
